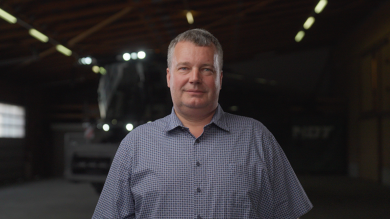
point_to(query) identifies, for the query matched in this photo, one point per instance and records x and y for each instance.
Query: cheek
(178, 82)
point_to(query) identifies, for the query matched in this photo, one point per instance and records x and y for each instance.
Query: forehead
(188, 51)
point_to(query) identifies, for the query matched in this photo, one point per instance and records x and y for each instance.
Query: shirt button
(199, 217)
(197, 163)
(197, 140)
(198, 190)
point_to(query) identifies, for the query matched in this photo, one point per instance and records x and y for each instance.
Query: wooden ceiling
(106, 28)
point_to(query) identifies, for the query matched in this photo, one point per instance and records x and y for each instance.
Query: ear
(168, 77)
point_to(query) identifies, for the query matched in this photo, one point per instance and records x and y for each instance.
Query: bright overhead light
(141, 54)
(134, 55)
(102, 71)
(6, 16)
(320, 6)
(190, 18)
(126, 56)
(38, 35)
(95, 69)
(106, 127)
(85, 60)
(88, 60)
(129, 126)
(62, 49)
(308, 23)
(299, 36)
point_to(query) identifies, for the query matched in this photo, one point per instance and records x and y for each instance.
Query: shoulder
(147, 130)
(236, 122)
(142, 136)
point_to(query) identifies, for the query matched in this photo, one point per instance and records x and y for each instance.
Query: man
(200, 162)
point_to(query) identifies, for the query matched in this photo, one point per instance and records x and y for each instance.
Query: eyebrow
(183, 63)
(203, 65)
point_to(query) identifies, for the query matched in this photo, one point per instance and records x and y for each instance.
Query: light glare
(8, 17)
(87, 60)
(62, 49)
(141, 54)
(308, 23)
(320, 6)
(102, 71)
(95, 69)
(126, 56)
(190, 18)
(299, 36)
(106, 127)
(38, 35)
(129, 126)
(134, 55)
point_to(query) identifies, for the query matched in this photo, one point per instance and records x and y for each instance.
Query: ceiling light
(141, 54)
(190, 18)
(38, 35)
(126, 56)
(129, 126)
(6, 16)
(320, 6)
(95, 69)
(308, 23)
(106, 127)
(261, 80)
(87, 60)
(234, 108)
(62, 49)
(299, 36)
(134, 55)
(102, 71)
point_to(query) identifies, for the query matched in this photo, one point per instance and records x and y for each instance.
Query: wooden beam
(242, 13)
(86, 33)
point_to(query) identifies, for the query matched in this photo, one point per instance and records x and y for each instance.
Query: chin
(195, 105)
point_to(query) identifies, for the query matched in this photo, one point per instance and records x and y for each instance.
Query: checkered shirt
(235, 169)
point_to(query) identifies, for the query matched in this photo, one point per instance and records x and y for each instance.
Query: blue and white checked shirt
(235, 169)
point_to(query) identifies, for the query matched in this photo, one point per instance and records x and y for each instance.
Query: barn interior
(316, 73)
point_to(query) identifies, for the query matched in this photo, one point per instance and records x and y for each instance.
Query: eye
(208, 70)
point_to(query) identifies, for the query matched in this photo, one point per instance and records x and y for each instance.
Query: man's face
(193, 77)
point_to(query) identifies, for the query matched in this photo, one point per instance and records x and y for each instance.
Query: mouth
(195, 91)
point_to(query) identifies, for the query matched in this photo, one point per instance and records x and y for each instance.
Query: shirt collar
(218, 119)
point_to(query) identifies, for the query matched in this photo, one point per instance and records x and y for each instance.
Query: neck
(195, 120)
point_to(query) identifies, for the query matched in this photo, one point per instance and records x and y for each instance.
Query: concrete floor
(49, 199)
(332, 197)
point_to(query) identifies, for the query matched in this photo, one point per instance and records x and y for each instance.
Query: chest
(181, 165)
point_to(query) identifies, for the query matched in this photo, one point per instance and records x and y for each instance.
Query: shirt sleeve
(116, 200)
(288, 197)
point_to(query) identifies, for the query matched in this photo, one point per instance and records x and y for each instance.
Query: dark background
(336, 78)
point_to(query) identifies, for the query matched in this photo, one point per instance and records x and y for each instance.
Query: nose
(195, 76)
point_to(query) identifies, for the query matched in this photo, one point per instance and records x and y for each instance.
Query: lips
(195, 91)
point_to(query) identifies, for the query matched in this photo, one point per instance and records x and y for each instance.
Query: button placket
(197, 178)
